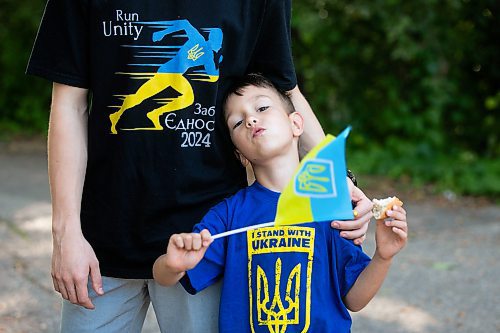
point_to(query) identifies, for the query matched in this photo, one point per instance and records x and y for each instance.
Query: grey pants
(124, 305)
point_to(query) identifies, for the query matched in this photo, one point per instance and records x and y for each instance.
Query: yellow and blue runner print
(318, 191)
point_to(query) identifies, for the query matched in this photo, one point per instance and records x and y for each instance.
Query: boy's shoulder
(233, 199)
(250, 205)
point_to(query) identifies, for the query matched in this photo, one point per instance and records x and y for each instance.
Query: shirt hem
(56, 77)
(127, 274)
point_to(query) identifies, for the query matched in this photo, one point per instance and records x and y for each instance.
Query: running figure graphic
(197, 51)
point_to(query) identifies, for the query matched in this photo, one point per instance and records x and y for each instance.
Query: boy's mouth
(258, 131)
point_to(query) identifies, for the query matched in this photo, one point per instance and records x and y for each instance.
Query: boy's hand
(185, 251)
(356, 229)
(392, 233)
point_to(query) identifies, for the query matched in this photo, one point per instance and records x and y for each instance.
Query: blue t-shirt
(276, 279)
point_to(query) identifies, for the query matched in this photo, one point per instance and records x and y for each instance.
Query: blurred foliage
(24, 100)
(418, 80)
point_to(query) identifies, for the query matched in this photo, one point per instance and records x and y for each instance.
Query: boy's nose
(251, 121)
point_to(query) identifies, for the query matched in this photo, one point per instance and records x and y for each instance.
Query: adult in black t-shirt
(138, 149)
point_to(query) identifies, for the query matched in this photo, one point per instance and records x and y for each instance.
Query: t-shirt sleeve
(273, 52)
(211, 267)
(60, 52)
(351, 262)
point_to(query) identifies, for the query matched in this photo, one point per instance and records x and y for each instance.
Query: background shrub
(418, 80)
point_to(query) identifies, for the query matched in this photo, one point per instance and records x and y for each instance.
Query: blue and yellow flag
(318, 191)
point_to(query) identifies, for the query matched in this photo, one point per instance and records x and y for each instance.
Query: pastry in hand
(381, 206)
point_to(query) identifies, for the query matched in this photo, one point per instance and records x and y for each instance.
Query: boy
(279, 279)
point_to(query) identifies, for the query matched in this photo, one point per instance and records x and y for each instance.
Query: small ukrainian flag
(318, 191)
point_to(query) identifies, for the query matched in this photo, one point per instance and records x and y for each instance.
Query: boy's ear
(297, 123)
(243, 160)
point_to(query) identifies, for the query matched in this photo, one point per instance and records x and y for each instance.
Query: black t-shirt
(159, 155)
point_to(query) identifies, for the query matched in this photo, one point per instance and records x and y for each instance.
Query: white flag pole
(237, 231)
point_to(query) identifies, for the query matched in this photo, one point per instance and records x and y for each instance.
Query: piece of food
(380, 206)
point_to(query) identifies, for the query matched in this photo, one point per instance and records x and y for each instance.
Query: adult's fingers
(71, 291)
(363, 208)
(55, 284)
(363, 205)
(64, 293)
(96, 278)
(359, 240)
(353, 229)
(83, 294)
(61, 286)
(361, 222)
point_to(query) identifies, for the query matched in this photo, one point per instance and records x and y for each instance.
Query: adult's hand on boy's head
(356, 229)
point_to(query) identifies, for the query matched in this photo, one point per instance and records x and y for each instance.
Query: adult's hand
(356, 229)
(73, 261)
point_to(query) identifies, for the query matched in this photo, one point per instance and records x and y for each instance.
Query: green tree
(419, 82)
(24, 100)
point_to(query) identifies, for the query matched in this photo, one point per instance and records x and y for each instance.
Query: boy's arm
(391, 237)
(184, 252)
(367, 284)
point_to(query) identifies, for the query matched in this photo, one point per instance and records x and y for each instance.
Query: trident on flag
(318, 190)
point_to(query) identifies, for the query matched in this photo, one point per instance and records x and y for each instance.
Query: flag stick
(236, 231)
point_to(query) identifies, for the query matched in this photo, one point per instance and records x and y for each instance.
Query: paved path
(446, 280)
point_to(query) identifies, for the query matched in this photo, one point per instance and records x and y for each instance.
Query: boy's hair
(260, 81)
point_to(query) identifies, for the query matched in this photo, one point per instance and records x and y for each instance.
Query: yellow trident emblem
(195, 52)
(275, 315)
(309, 181)
(281, 304)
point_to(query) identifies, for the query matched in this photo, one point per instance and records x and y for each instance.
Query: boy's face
(259, 125)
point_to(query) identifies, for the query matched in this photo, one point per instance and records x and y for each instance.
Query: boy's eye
(262, 108)
(237, 124)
